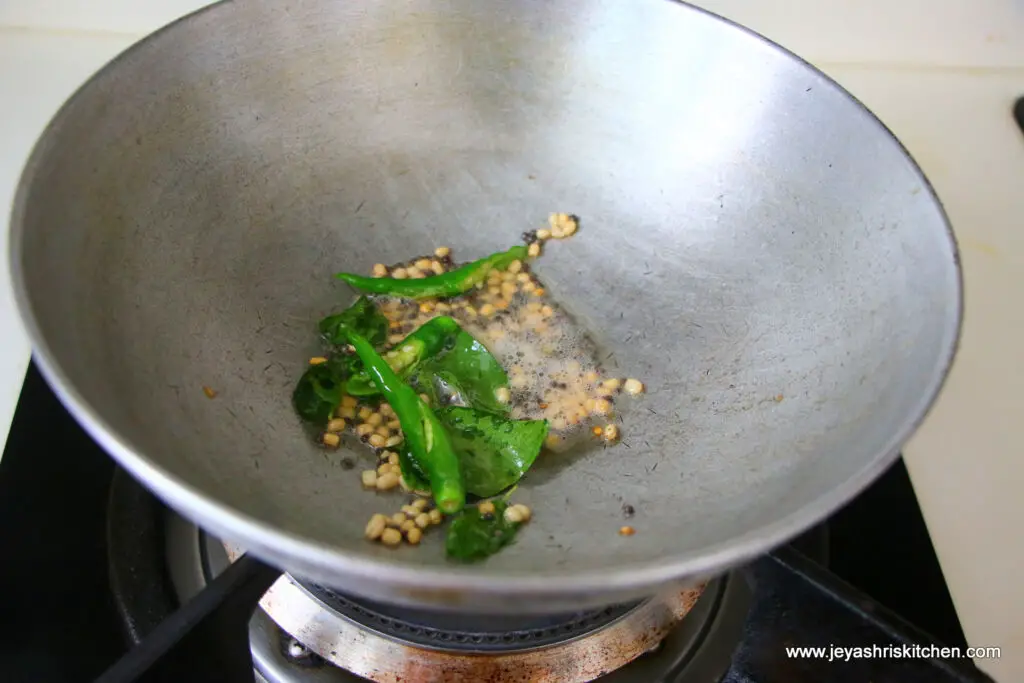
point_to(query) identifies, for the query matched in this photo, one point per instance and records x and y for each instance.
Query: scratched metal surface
(755, 246)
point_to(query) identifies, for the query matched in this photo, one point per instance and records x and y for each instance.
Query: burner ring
(481, 634)
(605, 647)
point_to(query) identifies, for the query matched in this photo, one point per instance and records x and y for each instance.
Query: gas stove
(99, 577)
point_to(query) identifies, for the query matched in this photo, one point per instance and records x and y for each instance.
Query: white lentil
(364, 429)
(633, 387)
(407, 525)
(331, 440)
(393, 441)
(391, 537)
(524, 511)
(370, 479)
(420, 504)
(534, 249)
(435, 516)
(379, 270)
(398, 518)
(386, 482)
(502, 394)
(513, 515)
(377, 441)
(422, 520)
(399, 273)
(441, 252)
(336, 425)
(611, 432)
(375, 527)
(544, 234)
(414, 536)
(486, 508)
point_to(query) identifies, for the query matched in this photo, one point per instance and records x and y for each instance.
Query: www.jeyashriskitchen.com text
(839, 653)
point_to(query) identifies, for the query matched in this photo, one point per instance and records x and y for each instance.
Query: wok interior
(754, 246)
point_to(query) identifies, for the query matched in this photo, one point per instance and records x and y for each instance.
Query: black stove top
(65, 542)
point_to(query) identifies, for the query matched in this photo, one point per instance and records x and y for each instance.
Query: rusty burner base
(650, 642)
(306, 632)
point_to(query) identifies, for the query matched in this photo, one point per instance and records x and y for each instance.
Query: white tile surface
(904, 32)
(966, 462)
(38, 71)
(136, 17)
(948, 32)
(942, 75)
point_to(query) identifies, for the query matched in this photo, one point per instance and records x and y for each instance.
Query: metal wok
(755, 245)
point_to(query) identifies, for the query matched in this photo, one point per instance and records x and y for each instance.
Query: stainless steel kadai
(755, 245)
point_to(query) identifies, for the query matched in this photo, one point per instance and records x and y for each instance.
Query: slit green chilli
(429, 443)
(452, 283)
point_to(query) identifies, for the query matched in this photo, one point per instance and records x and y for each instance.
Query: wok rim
(289, 550)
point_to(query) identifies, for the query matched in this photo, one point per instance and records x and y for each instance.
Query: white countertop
(943, 76)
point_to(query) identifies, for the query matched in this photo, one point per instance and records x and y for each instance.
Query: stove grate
(467, 633)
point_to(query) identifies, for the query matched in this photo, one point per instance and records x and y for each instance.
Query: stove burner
(467, 633)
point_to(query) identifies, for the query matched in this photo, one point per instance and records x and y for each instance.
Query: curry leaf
(494, 452)
(473, 536)
(466, 374)
(319, 390)
(362, 317)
